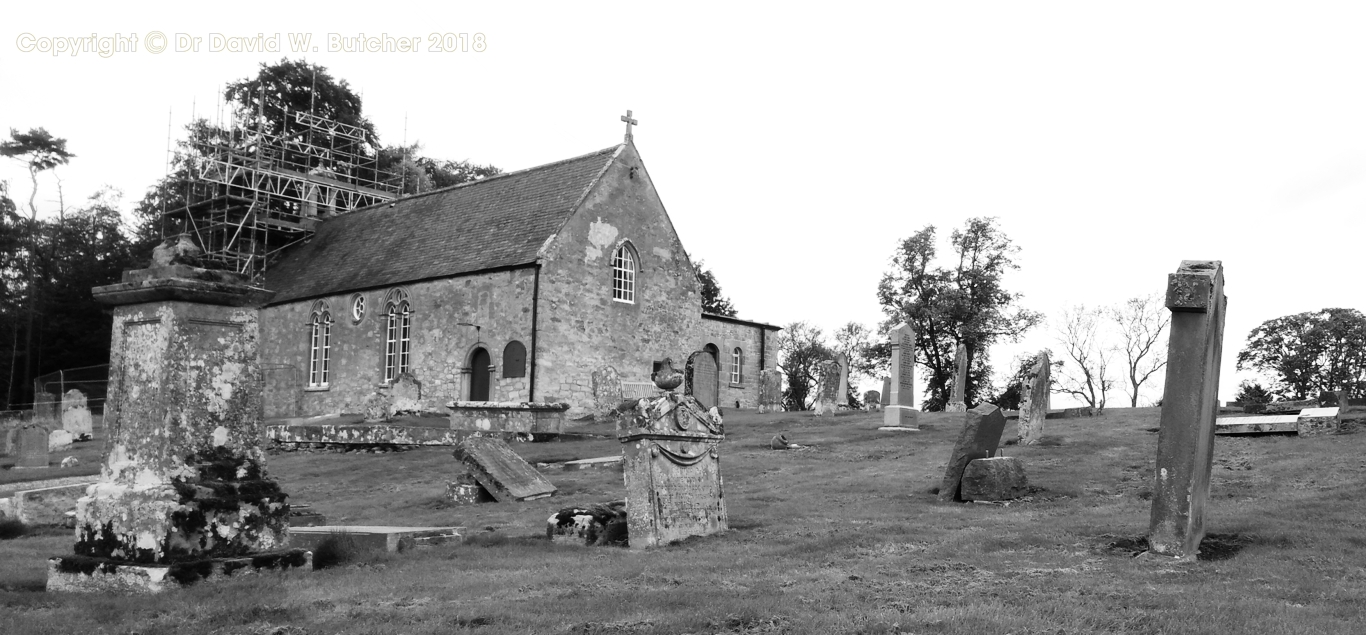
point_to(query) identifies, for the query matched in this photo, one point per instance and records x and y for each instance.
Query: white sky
(795, 148)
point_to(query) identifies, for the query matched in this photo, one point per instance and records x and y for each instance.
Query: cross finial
(629, 122)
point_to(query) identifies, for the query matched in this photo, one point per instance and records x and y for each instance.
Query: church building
(514, 288)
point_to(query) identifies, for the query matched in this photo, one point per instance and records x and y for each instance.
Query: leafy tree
(292, 86)
(712, 299)
(966, 302)
(39, 151)
(801, 349)
(1309, 353)
(1084, 370)
(1141, 322)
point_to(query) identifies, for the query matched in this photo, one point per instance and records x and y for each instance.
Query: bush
(335, 550)
(1252, 393)
(12, 528)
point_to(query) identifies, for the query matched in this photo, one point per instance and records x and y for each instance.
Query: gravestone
(31, 447)
(76, 414)
(982, 427)
(699, 378)
(47, 409)
(843, 361)
(771, 391)
(506, 476)
(872, 400)
(406, 393)
(672, 469)
(379, 407)
(960, 380)
(827, 389)
(58, 440)
(1034, 400)
(999, 478)
(886, 392)
(607, 393)
(900, 411)
(183, 493)
(1190, 406)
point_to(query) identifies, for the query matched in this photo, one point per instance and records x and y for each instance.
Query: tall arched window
(398, 325)
(319, 345)
(624, 274)
(737, 359)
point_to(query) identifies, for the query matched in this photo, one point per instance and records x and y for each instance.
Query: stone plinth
(997, 478)
(771, 390)
(1190, 406)
(982, 427)
(1316, 421)
(899, 410)
(1034, 400)
(538, 420)
(672, 469)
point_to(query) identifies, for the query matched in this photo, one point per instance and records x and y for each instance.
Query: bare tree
(1142, 321)
(1085, 359)
(801, 348)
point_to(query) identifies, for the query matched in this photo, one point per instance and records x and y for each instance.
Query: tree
(1251, 392)
(1083, 372)
(801, 350)
(965, 303)
(712, 299)
(39, 151)
(292, 86)
(855, 342)
(1142, 321)
(1309, 353)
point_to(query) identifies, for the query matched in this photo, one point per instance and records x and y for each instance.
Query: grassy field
(842, 537)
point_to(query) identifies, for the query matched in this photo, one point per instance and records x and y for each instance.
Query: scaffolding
(256, 190)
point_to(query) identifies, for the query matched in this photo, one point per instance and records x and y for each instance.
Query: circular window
(357, 307)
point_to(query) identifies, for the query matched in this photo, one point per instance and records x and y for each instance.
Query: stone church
(515, 288)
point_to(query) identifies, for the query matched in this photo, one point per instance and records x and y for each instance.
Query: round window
(357, 307)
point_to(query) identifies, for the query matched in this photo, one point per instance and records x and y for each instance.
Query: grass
(840, 537)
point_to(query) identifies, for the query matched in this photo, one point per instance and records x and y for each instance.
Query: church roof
(497, 222)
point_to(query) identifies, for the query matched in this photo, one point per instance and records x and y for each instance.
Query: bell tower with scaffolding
(262, 185)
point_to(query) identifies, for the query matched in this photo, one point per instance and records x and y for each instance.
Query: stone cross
(1034, 400)
(960, 380)
(629, 122)
(900, 393)
(1185, 441)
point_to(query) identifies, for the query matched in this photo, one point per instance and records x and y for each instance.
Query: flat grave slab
(1256, 425)
(505, 475)
(374, 537)
(595, 463)
(897, 429)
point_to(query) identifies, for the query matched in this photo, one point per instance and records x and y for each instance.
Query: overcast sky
(794, 149)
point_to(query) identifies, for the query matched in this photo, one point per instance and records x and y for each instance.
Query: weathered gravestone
(183, 493)
(843, 392)
(1190, 406)
(700, 377)
(672, 469)
(31, 442)
(872, 400)
(900, 393)
(886, 392)
(58, 440)
(997, 478)
(771, 391)
(827, 389)
(76, 414)
(1034, 401)
(960, 380)
(982, 427)
(47, 409)
(607, 393)
(379, 407)
(506, 476)
(406, 393)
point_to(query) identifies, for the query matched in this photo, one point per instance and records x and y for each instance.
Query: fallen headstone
(505, 475)
(996, 478)
(373, 537)
(982, 428)
(592, 464)
(594, 525)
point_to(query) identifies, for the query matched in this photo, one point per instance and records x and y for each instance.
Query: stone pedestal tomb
(672, 468)
(900, 392)
(957, 402)
(1185, 442)
(183, 492)
(1034, 401)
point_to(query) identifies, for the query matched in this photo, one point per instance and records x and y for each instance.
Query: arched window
(624, 274)
(397, 333)
(319, 345)
(514, 359)
(737, 359)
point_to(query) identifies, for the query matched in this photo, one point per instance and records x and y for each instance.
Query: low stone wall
(535, 419)
(49, 505)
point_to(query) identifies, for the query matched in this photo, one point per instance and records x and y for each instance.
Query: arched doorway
(479, 375)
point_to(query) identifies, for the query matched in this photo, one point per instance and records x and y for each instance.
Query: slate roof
(500, 221)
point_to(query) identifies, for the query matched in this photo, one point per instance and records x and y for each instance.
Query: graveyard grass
(843, 537)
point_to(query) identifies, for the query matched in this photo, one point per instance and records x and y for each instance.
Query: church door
(479, 375)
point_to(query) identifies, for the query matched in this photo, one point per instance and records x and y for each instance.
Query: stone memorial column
(183, 492)
(900, 393)
(960, 381)
(1185, 441)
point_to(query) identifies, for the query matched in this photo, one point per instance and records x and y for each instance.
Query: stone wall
(440, 349)
(581, 327)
